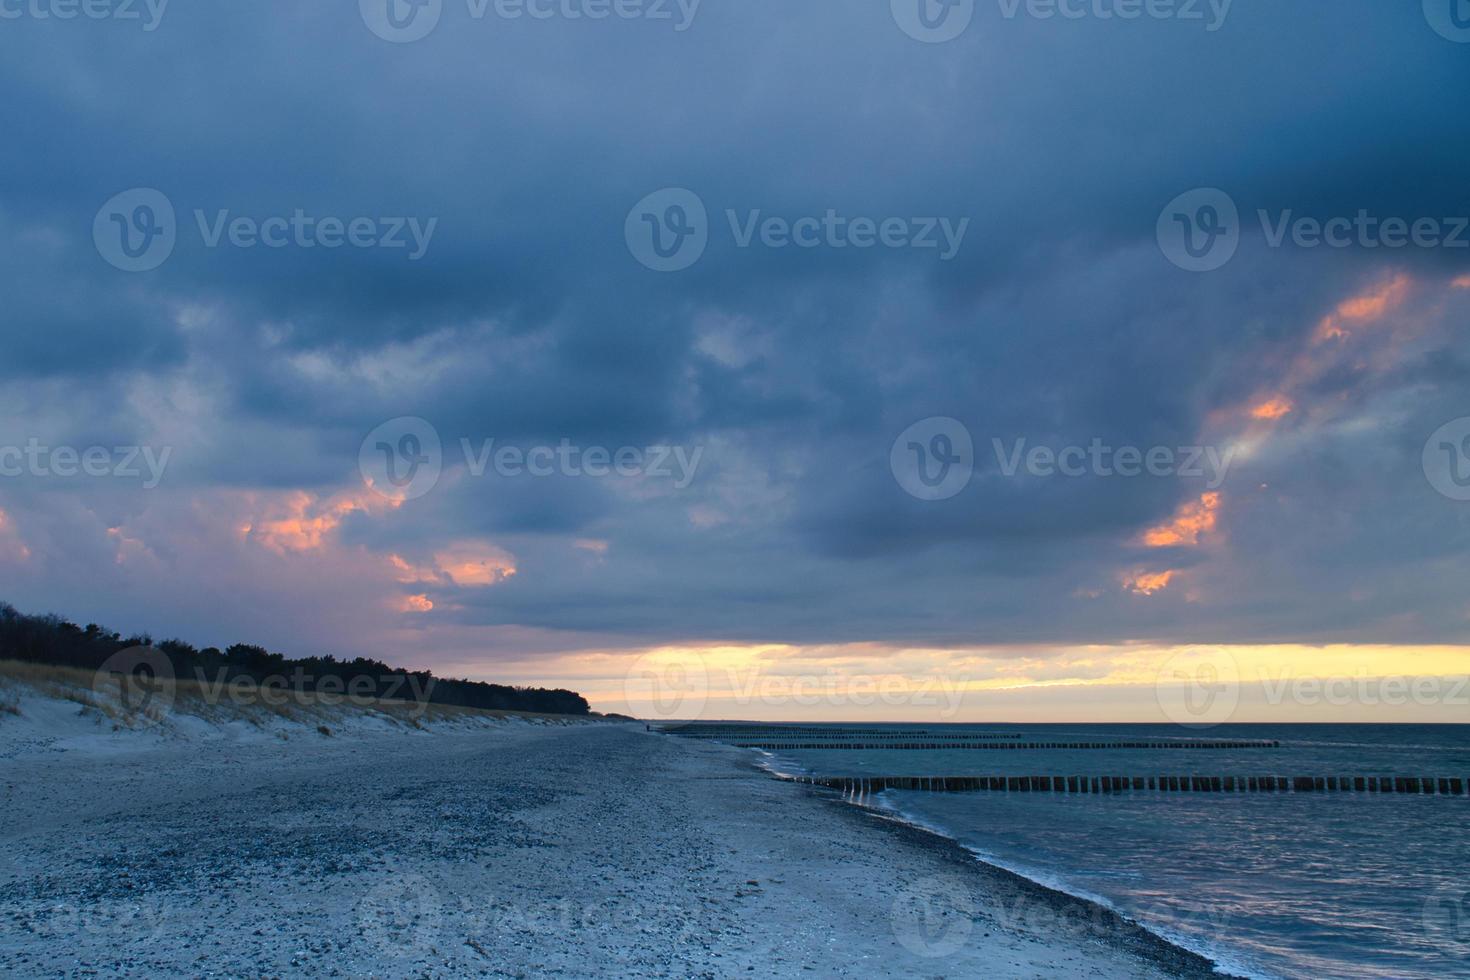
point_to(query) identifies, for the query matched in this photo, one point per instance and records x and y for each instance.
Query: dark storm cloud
(527, 320)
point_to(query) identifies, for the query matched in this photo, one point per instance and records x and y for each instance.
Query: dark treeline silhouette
(53, 640)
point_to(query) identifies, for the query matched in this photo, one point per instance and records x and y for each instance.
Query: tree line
(49, 639)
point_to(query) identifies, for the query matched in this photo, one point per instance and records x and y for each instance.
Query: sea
(1279, 883)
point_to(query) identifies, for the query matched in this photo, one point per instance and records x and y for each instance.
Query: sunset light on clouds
(1313, 377)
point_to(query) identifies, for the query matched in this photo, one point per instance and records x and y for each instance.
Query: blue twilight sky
(530, 153)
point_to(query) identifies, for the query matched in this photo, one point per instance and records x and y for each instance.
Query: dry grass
(225, 703)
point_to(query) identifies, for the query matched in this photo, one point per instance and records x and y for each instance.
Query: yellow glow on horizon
(1101, 683)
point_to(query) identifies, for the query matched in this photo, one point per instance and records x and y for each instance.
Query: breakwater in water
(1224, 849)
(996, 746)
(865, 785)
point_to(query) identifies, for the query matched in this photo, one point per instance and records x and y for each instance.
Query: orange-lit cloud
(1191, 520)
(1272, 408)
(1462, 283)
(466, 563)
(11, 546)
(414, 603)
(302, 521)
(1147, 583)
(128, 549)
(1363, 309)
(473, 563)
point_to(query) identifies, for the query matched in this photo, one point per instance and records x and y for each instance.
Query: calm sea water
(1270, 885)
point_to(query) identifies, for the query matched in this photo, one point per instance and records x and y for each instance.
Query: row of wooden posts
(864, 785)
(879, 737)
(998, 746)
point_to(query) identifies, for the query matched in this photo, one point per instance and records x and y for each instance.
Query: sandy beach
(584, 850)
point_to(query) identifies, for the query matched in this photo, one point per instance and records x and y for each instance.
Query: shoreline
(514, 851)
(1130, 934)
(1116, 927)
(1143, 939)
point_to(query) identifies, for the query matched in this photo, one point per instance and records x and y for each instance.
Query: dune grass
(104, 695)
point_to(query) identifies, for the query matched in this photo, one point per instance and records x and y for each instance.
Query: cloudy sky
(818, 339)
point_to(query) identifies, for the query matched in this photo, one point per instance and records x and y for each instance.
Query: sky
(737, 359)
